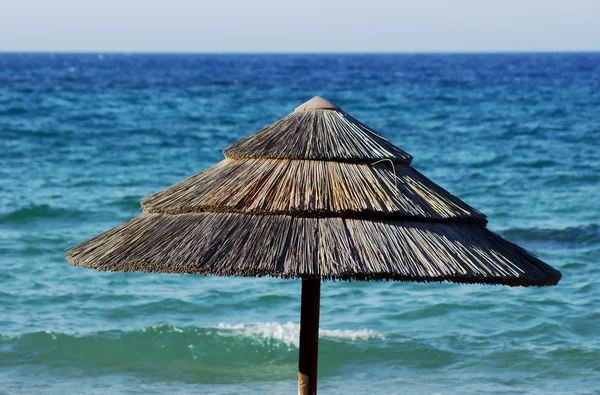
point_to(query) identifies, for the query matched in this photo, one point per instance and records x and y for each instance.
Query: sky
(299, 26)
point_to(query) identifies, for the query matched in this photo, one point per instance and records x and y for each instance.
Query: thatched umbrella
(316, 195)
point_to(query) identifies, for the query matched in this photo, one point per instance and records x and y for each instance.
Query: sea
(83, 137)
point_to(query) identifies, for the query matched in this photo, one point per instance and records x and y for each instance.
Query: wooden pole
(309, 336)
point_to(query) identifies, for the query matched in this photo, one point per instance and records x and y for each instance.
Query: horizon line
(167, 52)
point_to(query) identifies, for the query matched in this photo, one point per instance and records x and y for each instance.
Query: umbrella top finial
(316, 103)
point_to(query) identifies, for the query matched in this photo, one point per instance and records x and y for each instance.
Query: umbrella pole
(309, 336)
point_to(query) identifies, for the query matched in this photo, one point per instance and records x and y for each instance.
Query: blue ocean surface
(83, 137)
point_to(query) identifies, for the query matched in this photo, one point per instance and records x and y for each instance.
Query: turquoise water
(84, 137)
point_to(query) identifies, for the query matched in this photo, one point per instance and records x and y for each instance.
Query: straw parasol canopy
(315, 195)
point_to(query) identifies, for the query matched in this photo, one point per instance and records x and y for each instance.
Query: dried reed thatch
(317, 194)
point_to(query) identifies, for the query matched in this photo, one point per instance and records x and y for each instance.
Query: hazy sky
(303, 25)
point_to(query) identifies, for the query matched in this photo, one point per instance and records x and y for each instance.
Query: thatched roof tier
(329, 248)
(313, 188)
(318, 134)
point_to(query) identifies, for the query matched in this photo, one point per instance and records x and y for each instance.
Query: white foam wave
(289, 333)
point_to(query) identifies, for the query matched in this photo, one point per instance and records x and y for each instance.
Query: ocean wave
(289, 334)
(563, 180)
(536, 163)
(37, 212)
(514, 130)
(129, 203)
(268, 349)
(265, 334)
(13, 111)
(575, 236)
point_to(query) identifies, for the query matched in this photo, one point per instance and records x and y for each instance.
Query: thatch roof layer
(318, 135)
(312, 188)
(294, 247)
